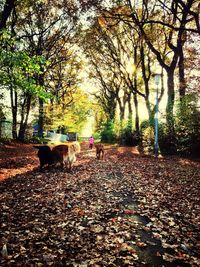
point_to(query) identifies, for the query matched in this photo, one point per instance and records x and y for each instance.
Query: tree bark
(170, 102)
(151, 112)
(182, 81)
(41, 118)
(8, 7)
(24, 117)
(130, 110)
(122, 106)
(13, 97)
(41, 108)
(137, 121)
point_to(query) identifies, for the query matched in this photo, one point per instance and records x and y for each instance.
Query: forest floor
(124, 210)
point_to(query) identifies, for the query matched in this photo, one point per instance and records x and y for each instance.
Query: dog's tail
(42, 147)
(38, 147)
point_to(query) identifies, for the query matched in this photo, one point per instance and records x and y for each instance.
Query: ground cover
(125, 210)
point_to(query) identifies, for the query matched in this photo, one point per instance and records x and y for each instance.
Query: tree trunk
(24, 118)
(170, 98)
(111, 106)
(13, 97)
(41, 118)
(130, 110)
(20, 135)
(122, 113)
(182, 82)
(121, 108)
(137, 126)
(41, 109)
(146, 78)
(169, 113)
(5, 14)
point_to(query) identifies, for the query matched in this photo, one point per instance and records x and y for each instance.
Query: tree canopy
(48, 48)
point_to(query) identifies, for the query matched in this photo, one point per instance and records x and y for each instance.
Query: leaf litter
(125, 210)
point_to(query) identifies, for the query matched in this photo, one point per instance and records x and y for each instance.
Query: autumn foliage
(126, 209)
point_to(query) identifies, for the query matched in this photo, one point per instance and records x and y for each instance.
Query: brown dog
(66, 154)
(99, 151)
(63, 154)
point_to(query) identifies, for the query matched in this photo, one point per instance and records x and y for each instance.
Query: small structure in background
(72, 136)
(5, 128)
(35, 129)
(53, 136)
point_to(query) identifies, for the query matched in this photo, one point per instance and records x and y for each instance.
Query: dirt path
(125, 210)
(17, 159)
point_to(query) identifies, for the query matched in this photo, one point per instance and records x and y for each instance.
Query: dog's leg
(65, 161)
(71, 159)
(70, 166)
(62, 164)
(41, 169)
(99, 155)
(42, 164)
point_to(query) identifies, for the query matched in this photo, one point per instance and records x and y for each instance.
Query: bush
(5, 141)
(144, 124)
(97, 137)
(129, 138)
(148, 138)
(188, 127)
(37, 140)
(108, 135)
(167, 142)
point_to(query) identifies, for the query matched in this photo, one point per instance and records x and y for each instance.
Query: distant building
(5, 128)
(69, 136)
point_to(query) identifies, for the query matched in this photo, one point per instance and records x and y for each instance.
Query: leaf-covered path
(125, 210)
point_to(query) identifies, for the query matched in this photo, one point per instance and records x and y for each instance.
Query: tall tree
(73, 117)
(157, 23)
(6, 11)
(109, 51)
(48, 31)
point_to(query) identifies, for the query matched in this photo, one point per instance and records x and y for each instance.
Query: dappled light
(123, 208)
(16, 159)
(120, 80)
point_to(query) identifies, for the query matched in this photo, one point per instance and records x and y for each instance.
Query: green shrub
(108, 134)
(167, 142)
(5, 140)
(126, 135)
(148, 138)
(144, 124)
(97, 137)
(129, 138)
(187, 125)
(38, 140)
